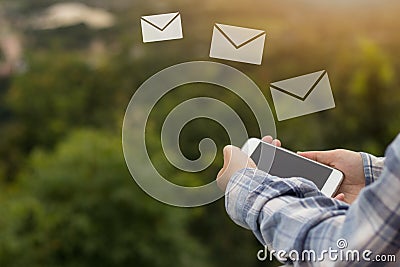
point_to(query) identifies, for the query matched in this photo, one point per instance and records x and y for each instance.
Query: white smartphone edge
(331, 184)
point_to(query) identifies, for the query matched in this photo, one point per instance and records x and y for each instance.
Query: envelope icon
(161, 27)
(237, 44)
(302, 95)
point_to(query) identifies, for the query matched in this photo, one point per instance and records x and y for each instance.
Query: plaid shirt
(293, 215)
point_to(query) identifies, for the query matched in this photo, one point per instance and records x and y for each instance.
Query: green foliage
(78, 206)
(58, 93)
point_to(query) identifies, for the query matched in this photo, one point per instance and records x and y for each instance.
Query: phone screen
(287, 165)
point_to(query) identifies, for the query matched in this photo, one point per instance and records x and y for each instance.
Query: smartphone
(283, 163)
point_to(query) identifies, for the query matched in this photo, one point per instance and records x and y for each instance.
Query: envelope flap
(239, 35)
(301, 85)
(161, 21)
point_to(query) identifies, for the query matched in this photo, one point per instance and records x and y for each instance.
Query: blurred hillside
(67, 197)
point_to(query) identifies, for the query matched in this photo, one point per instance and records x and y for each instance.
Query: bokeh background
(68, 71)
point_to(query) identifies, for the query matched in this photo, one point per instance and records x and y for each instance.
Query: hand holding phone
(283, 163)
(350, 163)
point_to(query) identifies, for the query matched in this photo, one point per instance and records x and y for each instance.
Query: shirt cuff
(373, 167)
(237, 190)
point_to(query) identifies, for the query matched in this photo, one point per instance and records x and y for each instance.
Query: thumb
(227, 153)
(234, 159)
(324, 157)
(340, 197)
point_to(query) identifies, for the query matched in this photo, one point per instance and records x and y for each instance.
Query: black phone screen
(287, 165)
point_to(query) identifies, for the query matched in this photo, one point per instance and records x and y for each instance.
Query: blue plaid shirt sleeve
(293, 215)
(373, 167)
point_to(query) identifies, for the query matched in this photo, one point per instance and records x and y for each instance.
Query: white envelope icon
(161, 27)
(302, 95)
(237, 44)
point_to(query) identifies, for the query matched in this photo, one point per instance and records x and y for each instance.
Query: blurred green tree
(58, 94)
(369, 116)
(78, 206)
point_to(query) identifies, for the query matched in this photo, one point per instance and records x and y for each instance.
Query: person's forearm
(280, 212)
(291, 214)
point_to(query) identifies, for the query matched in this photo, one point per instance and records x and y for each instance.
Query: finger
(221, 176)
(227, 151)
(234, 157)
(309, 154)
(340, 197)
(277, 142)
(238, 158)
(267, 139)
(324, 157)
